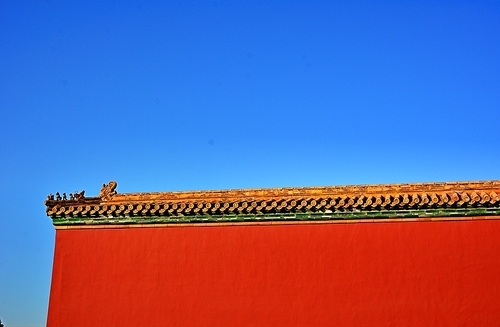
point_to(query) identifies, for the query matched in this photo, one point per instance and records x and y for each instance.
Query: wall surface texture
(441, 273)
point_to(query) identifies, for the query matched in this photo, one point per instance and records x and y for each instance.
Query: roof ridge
(326, 199)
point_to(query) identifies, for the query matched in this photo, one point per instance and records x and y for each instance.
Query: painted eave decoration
(358, 202)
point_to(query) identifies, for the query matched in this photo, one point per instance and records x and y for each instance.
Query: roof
(304, 203)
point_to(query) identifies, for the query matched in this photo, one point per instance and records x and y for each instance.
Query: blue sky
(186, 95)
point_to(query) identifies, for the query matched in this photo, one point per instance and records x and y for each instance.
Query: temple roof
(333, 202)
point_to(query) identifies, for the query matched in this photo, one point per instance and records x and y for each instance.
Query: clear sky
(186, 95)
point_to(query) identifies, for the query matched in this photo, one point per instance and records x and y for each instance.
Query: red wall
(357, 274)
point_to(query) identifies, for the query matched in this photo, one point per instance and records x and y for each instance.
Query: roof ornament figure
(79, 195)
(108, 191)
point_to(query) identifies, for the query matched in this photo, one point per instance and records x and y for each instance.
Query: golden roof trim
(277, 200)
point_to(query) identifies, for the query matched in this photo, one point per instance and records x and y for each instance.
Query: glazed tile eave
(305, 203)
(410, 215)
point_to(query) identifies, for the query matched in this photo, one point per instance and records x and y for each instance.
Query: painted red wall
(356, 274)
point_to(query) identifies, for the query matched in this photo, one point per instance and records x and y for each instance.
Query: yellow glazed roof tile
(342, 199)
